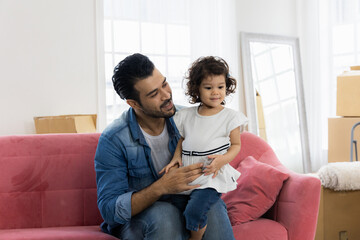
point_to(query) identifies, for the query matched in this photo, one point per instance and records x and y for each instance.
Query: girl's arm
(176, 158)
(221, 160)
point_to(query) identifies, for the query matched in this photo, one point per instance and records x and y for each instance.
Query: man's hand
(177, 179)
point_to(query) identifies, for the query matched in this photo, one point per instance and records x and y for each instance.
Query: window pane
(343, 39)
(108, 66)
(344, 61)
(151, 12)
(177, 11)
(160, 64)
(263, 64)
(153, 38)
(268, 92)
(283, 59)
(108, 8)
(110, 95)
(286, 85)
(118, 58)
(178, 38)
(126, 36)
(107, 36)
(177, 67)
(358, 32)
(126, 9)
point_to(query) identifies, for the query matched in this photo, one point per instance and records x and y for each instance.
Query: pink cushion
(258, 188)
(260, 229)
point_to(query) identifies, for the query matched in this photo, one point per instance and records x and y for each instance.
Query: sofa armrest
(298, 205)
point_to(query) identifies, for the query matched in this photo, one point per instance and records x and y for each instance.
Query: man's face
(155, 96)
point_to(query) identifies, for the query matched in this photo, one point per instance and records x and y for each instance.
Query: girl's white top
(206, 133)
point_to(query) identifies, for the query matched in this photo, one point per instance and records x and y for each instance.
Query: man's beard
(160, 114)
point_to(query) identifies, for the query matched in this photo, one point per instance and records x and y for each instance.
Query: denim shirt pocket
(140, 175)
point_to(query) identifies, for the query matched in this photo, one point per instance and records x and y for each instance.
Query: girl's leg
(196, 210)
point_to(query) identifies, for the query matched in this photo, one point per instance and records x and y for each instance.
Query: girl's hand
(214, 167)
(173, 163)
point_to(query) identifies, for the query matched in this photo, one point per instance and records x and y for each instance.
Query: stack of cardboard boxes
(339, 212)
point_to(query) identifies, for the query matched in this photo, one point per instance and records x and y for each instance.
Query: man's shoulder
(117, 126)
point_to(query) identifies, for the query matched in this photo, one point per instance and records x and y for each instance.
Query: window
(163, 34)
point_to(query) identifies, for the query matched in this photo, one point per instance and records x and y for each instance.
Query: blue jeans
(163, 221)
(196, 206)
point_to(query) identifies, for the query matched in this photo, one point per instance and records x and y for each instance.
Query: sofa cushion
(56, 233)
(260, 229)
(257, 190)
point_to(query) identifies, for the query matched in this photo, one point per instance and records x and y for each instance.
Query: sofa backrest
(48, 181)
(253, 145)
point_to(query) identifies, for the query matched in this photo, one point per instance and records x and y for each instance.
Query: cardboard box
(348, 94)
(260, 117)
(355, 68)
(339, 138)
(339, 213)
(66, 124)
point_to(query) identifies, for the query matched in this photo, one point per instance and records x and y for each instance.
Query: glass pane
(107, 36)
(160, 64)
(110, 95)
(264, 66)
(344, 61)
(177, 11)
(283, 59)
(126, 9)
(153, 38)
(258, 48)
(286, 85)
(109, 67)
(177, 67)
(178, 38)
(108, 8)
(343, 39)
(268, 92)
(126, 36)
(358, 32)
(151, 12)
(118, 58)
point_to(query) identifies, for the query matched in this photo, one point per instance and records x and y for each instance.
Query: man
(132, 196)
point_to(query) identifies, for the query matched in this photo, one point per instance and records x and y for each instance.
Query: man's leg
(218, 227)
(161, 221)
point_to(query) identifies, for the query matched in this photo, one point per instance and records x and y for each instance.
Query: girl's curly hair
(204, 67)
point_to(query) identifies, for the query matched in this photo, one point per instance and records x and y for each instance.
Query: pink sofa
(48, 191)
(48, 188)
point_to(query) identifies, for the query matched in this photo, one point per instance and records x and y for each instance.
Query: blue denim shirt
(123, 166)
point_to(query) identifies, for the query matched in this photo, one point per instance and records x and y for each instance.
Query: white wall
(48, 55)
(47, 61)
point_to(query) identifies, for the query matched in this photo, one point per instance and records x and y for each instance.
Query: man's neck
(152, 126)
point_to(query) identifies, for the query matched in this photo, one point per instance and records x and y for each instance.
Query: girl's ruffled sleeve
(238, 120)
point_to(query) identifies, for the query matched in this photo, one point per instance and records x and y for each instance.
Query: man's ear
(132, 103)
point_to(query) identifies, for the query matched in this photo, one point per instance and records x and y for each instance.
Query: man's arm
(175, 181)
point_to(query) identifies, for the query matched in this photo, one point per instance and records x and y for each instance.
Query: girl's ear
(132, 103)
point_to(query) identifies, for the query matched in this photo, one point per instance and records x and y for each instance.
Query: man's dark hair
(128, 72)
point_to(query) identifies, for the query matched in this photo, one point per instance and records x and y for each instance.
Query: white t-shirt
(208, 135)
(159, 145)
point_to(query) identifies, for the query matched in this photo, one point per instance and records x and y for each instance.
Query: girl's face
(213, 91)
